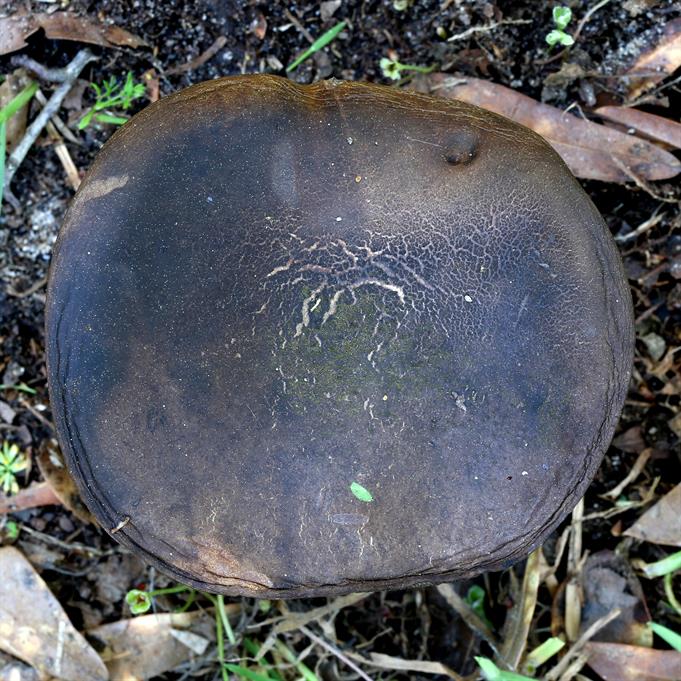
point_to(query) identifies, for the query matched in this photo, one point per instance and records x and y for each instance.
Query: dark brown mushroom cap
(265, 292)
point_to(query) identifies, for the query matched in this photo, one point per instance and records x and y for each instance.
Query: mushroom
(306, 340)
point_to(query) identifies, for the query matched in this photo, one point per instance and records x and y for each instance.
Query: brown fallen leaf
(35, 628)
(621, 662)
(146, 646)
(660, 524)
(644, 124)
(15, 29)
(608, 582)
(591, 151)
(54, 471)
(36, 494)
(656, 63)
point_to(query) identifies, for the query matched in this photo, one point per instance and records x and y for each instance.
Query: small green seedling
(362, 493)
(317, 45)
(11, 530)
(475, 597)
(12, 461)
(140, 601)
(112, 95)
(561, 18)
(667, 635)
(7, 111)
(392, 69)
(21, 387)
(491, 672)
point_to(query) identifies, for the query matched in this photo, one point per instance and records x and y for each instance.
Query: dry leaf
(36, 494)
(54, 471)
(146, 646)
(609, 582)
(644, 124)
(15, 29)
(658, 62)
(35, 628)
(398, 664)
(620, 662)
(591, 151)
(660, 524)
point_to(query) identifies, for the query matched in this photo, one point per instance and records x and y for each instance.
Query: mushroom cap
(306, 340)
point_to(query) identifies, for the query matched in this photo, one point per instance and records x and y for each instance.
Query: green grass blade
(537, 657)
(660, 568)
(317, 45)
(246, 673)
(225, 620)
(109, 118)
(492, 673)
(291, 657)
(23, 98)
(3, 144)
(667, 635)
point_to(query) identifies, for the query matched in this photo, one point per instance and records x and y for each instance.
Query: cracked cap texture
(306, 340)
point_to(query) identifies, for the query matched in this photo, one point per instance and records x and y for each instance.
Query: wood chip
(591, 151)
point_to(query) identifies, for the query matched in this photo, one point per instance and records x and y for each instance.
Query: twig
(485, 29)
(33, 288)
(217, 45)
(59, 124)
(651, 222)
(335, 651)
(519, 618)
(635, 471)
(43, 72)
(587, 16)
(294, 20)
(557, 671)
(639, 181)
(573, 592)
(70, 546)
(469, 616)
(73, 70)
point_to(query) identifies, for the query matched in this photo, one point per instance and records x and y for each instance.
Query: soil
(263, 38)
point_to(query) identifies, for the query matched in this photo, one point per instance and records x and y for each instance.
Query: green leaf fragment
(361, 492)
(317, 45)
(660, 568)
(492, 673)
(562, 16)
(667, 635)
(138, 600)
(246, 673)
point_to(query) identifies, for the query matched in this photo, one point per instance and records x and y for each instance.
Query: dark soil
(263, 38)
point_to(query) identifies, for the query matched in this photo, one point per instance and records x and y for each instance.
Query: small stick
(217, 45)
(557, 672)
(73, 70)
(485, 29)
(335, 651)
(58, 123)
(43, 72)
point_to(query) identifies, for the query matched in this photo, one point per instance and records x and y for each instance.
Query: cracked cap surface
(306, 340)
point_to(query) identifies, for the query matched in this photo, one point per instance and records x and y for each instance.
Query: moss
(360, 360)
